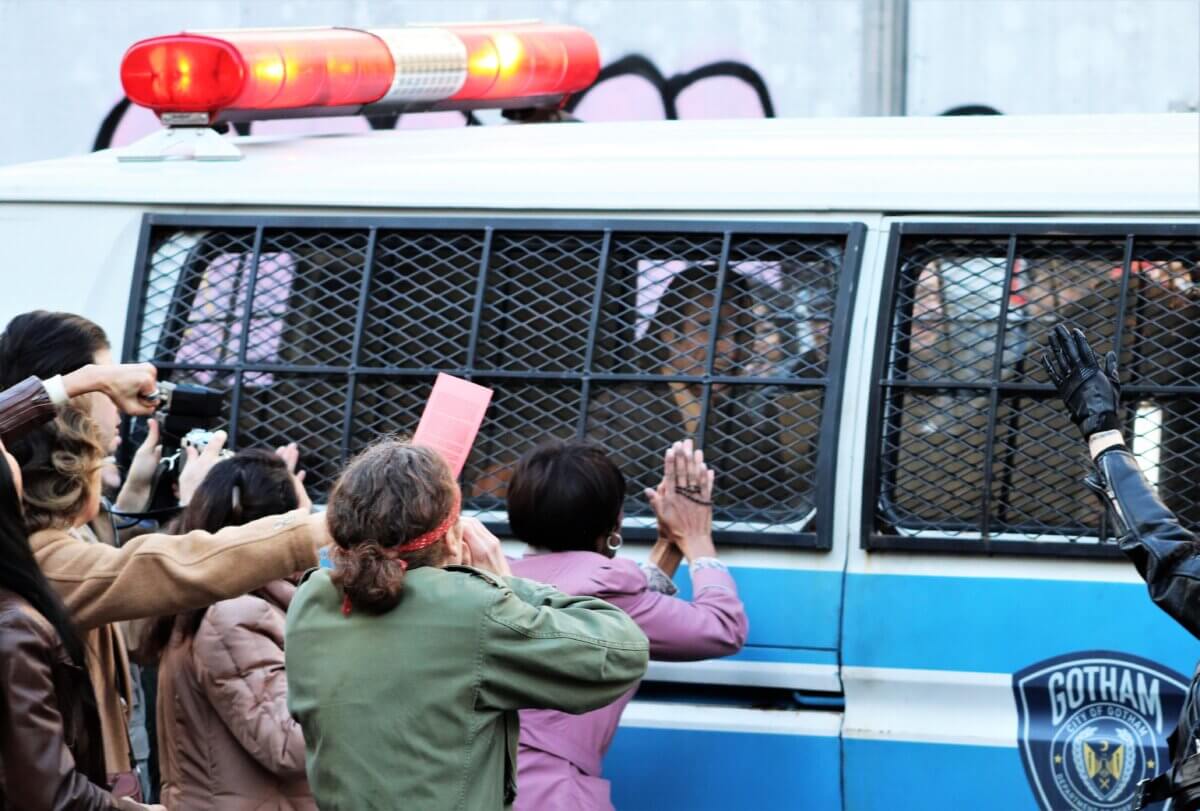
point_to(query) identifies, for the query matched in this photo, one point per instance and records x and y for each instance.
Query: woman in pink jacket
(564, 501)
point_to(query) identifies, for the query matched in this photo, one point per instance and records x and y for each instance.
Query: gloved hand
(1092, 394)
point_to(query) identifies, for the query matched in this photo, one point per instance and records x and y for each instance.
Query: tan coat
(225, 738)
(153, 575)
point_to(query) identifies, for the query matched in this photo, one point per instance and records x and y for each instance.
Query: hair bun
(369, 578)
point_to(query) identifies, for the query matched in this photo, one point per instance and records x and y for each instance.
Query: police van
(847, 313)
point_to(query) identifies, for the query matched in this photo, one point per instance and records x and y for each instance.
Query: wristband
(57, 390)
(1101, 441)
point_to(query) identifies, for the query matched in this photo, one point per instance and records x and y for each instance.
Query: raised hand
(1091, 393)
(683, 500)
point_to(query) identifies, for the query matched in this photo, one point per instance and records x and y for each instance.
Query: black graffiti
(669, 90)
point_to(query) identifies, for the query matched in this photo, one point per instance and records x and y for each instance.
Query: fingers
(149, 384)
(289, 453)
(150, 445)
(679, 477)
(688, 457)
(709, 480)
(134, 388)
(652, 497)
(1059, 340)
(1084, 350)
(1051, 372)
(1064, 349)
(212, 451)
(303, 502)
(1110, 368)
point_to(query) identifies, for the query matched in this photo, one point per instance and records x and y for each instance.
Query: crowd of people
(421, 667)
(422, 663)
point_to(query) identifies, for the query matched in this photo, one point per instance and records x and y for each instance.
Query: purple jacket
(560, 755)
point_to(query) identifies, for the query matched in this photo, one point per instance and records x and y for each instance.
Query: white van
(938, 617)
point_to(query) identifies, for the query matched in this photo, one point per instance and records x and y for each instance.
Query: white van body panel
(1074, 164)
(71, 228)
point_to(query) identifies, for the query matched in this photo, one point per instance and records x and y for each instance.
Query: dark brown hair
(58, 465)
(565, 495)
(45, 344)
(250, 485)
(389, 494)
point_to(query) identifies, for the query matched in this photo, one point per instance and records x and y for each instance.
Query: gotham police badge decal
(1092, 725)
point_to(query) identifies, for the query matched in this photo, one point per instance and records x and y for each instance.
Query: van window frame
(929, 540)
(832, 383)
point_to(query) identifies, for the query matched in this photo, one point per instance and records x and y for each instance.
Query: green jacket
(416, 708)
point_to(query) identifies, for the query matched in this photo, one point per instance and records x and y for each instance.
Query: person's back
(405, 707)
(561, 754)
(226, 740)
(406, 669)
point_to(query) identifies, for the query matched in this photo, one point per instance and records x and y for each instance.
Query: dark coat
(51, 752)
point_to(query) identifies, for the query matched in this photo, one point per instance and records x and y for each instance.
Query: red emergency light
(287, 73)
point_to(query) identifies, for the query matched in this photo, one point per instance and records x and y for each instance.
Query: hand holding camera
(133, 387)
(200, 456)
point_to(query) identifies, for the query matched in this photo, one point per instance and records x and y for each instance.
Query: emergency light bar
(253, 74)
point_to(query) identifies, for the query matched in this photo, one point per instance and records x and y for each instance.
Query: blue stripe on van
(1001, 625)
(656, 769)
(887, 775)
(789, 608)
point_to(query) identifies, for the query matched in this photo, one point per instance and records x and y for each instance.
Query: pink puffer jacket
(226, 740)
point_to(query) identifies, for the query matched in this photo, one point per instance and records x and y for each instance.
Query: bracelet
(707, 563)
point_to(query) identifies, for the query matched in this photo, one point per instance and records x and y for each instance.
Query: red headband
(434, 535)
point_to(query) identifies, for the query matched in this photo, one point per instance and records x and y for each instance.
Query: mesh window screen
(330, 336)
(975, 450)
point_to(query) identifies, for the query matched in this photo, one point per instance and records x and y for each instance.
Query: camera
(199, 438)
(187, 411)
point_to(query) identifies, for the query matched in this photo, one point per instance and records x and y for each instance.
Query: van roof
(1002, 164)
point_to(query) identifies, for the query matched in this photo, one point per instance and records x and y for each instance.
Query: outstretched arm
(1166, 554)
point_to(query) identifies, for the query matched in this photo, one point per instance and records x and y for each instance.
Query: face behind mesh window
(628, 338)
(974, 445)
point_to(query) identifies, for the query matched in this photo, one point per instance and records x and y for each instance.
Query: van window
(631, 334)
(974, 450)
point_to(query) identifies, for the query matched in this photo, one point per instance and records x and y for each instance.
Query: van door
(631, 333)
(998, 651)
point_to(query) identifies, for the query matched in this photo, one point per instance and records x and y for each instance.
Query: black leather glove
(1092, 394)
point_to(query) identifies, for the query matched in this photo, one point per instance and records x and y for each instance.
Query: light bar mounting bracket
(181, 143)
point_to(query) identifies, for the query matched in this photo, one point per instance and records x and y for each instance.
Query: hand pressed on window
(683, 501)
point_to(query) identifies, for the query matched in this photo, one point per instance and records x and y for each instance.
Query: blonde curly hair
(59, 470)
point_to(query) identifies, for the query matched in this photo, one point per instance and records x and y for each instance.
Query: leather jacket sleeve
(24, 407)
(38, 772)
(1166, 555)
